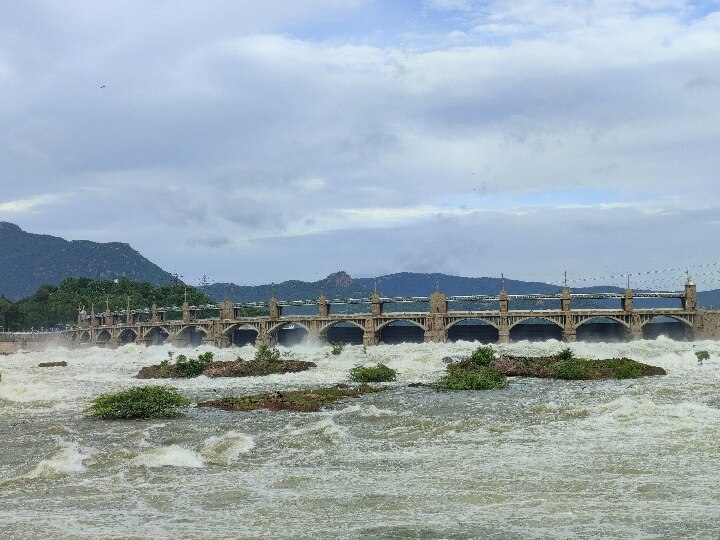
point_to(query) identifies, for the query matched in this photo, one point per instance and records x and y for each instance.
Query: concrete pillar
(108, 316)
(504, 326)
(187, 314)
(569, 329)
(565, 300)
(314, 334)
(436, 331)
(627, 302)
(370, 336)
(438, 303)
(227, 312)
(264, 338)
(323, 306)
(635, 328)
(275, 309)
(689, 301)
(503, 300)
(377, 305)
(504, 331)
(155, 314)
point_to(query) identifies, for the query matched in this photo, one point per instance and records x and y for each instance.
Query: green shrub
(482, 379)
(266, 353)
(626, 369)
(702, 355)
(337, 348)
(565, 354)
(483, 355)
(192, 367)
(570, 369)
(138, 403)
(378, 373)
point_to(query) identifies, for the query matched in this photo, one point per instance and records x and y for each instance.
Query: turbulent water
(542, 459)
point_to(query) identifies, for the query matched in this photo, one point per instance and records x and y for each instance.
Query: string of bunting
(648, 276)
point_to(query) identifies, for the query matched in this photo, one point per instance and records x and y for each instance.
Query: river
(541, 459)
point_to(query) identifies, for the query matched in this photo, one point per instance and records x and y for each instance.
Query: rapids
(541, 459)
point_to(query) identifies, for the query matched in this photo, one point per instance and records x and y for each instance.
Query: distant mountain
(709, 299)
(337, 285)
(342, 285)
(30, 260)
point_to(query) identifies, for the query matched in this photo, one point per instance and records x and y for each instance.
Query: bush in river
(268, 354)
(192, 367)
(378, 373)
(483, 355)
(484, 378)
(138, 403)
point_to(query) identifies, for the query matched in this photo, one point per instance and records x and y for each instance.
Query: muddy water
(542, 459)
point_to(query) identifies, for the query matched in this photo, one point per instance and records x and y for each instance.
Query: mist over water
(542, 459)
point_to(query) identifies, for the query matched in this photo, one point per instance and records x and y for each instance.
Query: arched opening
(536, 329)
(402, 332)
(127, 336)
(665, 326)
(190, 336)
(291, 334)
(243, 335)
(156, 336)
(603, 329)
(102, 338)
(85, 337)
(345, 332)
(473, 330)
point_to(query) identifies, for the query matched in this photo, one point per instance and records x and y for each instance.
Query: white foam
(370, 411)
(326, 427)
(170, 456)
(67, 459)
(227, 448)
(24, 393)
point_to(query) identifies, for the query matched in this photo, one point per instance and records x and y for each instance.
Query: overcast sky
(258, 141)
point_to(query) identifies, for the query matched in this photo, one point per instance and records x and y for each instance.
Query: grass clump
(483, 355)
(145, 402)
(484, 378)
(570, 369)
(565, 354)
(337, 348)
(378, 373)
(625, 368)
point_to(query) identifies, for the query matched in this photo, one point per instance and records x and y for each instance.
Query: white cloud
(31, 204)
(247, 120)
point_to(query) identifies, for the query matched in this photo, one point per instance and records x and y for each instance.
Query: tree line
(55, 306)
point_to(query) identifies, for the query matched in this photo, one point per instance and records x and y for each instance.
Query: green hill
(54, 306)
(31, 260)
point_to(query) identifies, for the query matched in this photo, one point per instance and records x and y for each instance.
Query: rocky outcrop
(298, 401)
(53, 364)
(233, 368)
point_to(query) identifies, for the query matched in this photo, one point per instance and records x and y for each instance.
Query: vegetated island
(311, 400)
(484, 371)
(266, 362)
